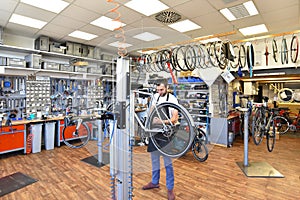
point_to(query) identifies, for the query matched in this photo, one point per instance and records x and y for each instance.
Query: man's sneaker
(150, 186)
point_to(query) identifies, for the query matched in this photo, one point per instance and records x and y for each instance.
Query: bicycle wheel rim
(75, 139)
(274, 50)
(172, 141)
(271, 137)
(284, 52)
(294, 49)
(200, 150)
(257, 132)
(281, 124)
(242, 56)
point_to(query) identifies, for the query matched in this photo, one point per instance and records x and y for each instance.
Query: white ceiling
(278, 15)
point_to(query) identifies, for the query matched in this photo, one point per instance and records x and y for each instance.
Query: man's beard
(164, 94)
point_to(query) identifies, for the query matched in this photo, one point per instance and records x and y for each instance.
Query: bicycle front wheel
(172, 140)
(257, 127)
(199, 149)
(76, 137)
(271, 137)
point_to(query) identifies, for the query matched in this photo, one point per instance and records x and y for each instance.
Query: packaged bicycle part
(42, 43)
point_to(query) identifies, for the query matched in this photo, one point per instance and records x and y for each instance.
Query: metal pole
(246, 121)
(100, 141)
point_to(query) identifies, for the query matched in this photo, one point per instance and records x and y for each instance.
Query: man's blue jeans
(155, 158)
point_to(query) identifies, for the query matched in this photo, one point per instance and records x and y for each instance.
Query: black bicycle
(199, 148)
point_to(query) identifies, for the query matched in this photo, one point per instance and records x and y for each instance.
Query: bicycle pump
(121, 144)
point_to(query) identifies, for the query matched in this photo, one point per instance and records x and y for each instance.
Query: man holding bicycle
(161, 96)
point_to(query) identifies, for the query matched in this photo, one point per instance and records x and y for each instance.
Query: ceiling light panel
(82, 35)
(27, 21)
(55, 6)
(184, 26)
(146, 36)
(240, 11)
(146, 7)
(252, 30)
(120, 44)
(107, 23)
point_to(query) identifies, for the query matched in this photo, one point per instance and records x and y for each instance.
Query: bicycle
(293, 119)
(199, 148)
(77, 132)
(171, 139)
(262, 121)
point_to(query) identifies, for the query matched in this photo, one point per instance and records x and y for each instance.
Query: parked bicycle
(199, 148)
(263, 120)
(77, 131)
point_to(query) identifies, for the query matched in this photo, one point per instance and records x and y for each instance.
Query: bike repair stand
(121, 144)
(255, 169)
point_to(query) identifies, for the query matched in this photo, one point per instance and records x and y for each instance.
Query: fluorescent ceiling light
(120, 44)
(146, 52)
(252, 30)
(27, 21)
(82, 35)
(146, 36)
(249, 5)
(184, 26)
(228, 14)
(55, 6)
(107, 23)
(146, 7)
(239, 11)
(209, 40)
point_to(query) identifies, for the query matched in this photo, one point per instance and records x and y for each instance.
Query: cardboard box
(42, 43)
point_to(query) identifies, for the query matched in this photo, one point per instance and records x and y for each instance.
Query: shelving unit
(194, 97)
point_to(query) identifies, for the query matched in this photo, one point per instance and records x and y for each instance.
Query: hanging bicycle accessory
(250, 58)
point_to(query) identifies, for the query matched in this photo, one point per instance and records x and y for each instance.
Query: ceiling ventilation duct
(167, 17)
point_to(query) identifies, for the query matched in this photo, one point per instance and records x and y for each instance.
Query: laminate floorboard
(62, 175)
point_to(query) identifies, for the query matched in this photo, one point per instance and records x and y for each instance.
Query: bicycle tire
(172, 140)
(220, 54)
(282, 125)
(190, 57)
(294, 57)
(199, 148)
(271, 138)
(250, 58)
(257, 123)
(235, 63)
(284, 52)
(76, 138)
(211, 51)
(267, 54)
(274, 50)
(173, 59)
(242, 56)
(180, 58)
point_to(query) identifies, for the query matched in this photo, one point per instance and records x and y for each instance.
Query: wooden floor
(62, 175)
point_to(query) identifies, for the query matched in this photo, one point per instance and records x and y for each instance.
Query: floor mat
(93, 160)
(14, 182)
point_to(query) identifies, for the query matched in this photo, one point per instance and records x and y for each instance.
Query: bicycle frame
(148, 112)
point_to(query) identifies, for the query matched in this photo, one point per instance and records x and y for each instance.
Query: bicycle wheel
(274, 50)
(271, 137)
(172, 140)
(242, 56)
(257, 127)
(250, 58)
(284, 52)
(282, 125)
(294, 49)
(199, 149)
(74, 136)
